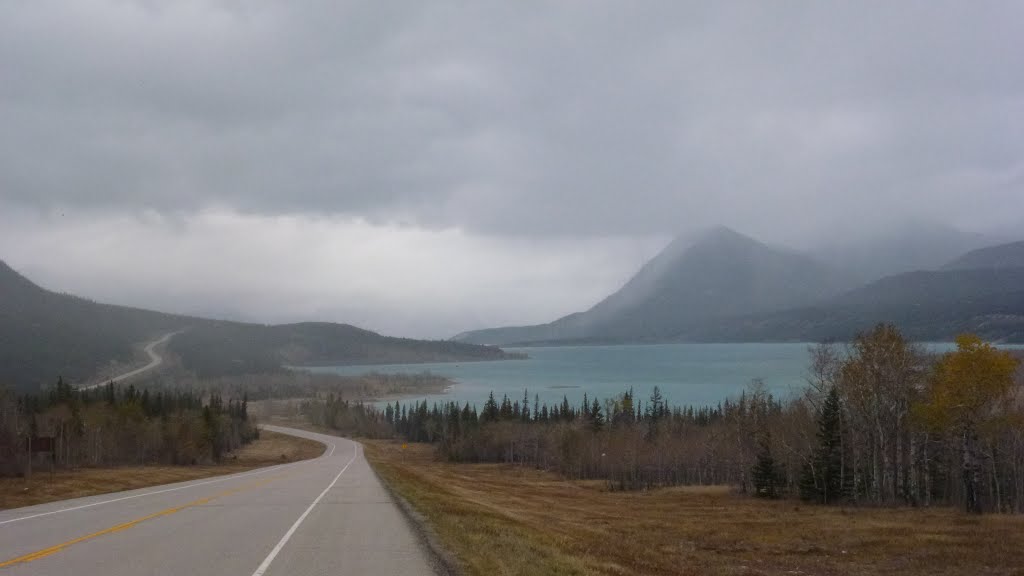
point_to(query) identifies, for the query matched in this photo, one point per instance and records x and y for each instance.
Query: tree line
(880, 423)
(113, 425)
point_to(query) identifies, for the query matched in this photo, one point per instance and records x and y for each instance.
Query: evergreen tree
(765, 475)
(490, 413)
(596, 418)
(656, 406)
(824, 479)
(505, 413)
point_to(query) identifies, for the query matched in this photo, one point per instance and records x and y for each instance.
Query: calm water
(687, 373)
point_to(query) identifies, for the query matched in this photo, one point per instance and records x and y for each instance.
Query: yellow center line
(121, 527)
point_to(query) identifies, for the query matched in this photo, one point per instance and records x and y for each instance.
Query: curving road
(155, 360)
(329, 515)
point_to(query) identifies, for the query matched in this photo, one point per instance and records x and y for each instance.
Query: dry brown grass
(506, 520)
(271, 448)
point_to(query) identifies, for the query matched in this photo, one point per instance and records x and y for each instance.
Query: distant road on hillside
(155, 360)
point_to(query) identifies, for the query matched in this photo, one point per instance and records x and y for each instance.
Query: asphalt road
(155, 360)
(324, 516)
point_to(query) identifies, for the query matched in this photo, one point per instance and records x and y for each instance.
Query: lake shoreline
(686, 374)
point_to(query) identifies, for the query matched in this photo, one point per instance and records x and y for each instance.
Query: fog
(423, 169)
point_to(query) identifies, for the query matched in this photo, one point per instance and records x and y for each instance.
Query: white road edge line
(214, 481)
(233, 477)
(287, 535)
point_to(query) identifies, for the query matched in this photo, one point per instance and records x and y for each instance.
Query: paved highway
(154, 361)
(329, 515)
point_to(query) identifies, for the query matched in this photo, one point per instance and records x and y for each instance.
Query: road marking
(287, 535)
(155, 492)
(32, 556)
(223, 479)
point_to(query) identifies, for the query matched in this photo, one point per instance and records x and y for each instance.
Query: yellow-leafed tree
(970, 397)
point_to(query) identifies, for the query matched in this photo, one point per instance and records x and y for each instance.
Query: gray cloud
(587, 118)
(603, 124)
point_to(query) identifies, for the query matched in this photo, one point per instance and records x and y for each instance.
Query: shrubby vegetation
(111, 425)
(880, 423)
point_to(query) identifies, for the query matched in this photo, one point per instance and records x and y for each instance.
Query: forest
(880, 423)
(112, 425)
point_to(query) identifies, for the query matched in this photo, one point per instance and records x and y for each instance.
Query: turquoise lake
(697, 374)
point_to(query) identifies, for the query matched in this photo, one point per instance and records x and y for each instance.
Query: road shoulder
(270, 449)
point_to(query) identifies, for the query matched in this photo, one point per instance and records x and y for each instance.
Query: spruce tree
(765, 475)
(596, 418)
(490, 413)
(824, 479)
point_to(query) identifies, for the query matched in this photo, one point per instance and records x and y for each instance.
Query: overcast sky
(423, 168)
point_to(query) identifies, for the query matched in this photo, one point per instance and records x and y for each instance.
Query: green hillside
(45, 335)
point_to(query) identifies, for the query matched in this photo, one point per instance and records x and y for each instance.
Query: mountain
(981, 292)
(730, 288)
(1000, 257)
(914, 245)
(723, 274)
(45, 334)
(925, 305)
(225, 348)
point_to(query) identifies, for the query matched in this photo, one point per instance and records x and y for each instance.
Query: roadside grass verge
(498, 519)
(271, 448)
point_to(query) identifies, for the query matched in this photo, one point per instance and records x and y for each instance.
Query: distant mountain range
(912, 246)
(45, 335)
(1001, 257)
(730, 287)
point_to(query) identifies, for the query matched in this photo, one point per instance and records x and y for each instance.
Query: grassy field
(271, 448)
(505, 520)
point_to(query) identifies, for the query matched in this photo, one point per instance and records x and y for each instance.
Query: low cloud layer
(509, 142)
(399, 280)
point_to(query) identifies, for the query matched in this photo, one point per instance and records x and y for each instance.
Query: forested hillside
(223, 348)
(45, 335)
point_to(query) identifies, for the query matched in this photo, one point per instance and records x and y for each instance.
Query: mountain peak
(723, 231)
(712, 239)
(724, 236)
